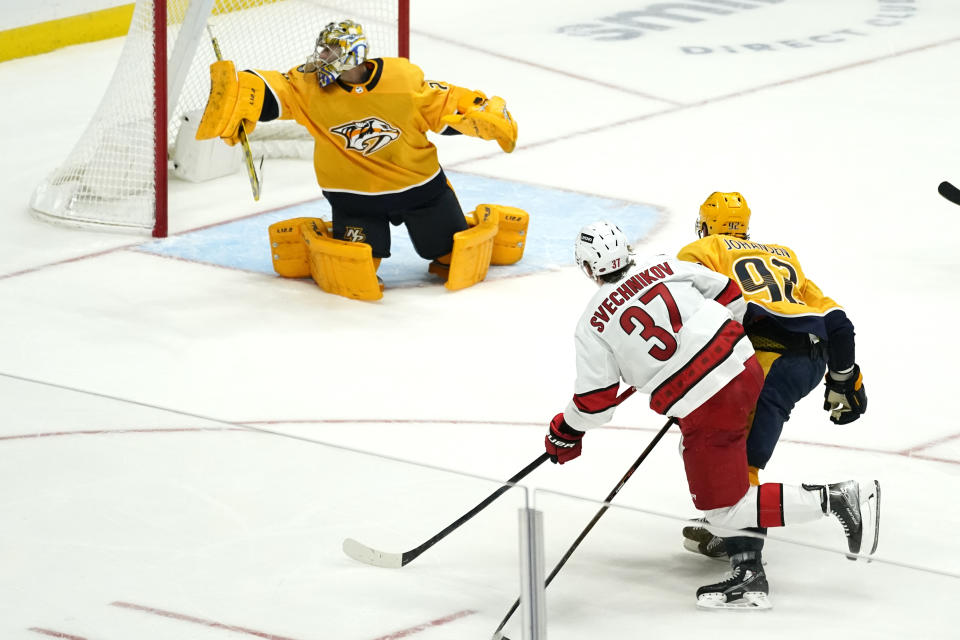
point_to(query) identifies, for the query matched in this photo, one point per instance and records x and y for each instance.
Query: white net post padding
(109, 180)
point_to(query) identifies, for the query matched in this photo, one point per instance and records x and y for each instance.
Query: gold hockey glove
(470, 99)
(232, 100)
(488, 120)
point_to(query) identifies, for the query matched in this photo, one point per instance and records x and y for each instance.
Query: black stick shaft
(409, 556)
(596, 518)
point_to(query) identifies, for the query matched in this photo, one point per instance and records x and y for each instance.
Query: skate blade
(873, 532)
(750, 601)
(870, 517)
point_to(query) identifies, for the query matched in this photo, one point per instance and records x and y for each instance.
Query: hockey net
(116, 176)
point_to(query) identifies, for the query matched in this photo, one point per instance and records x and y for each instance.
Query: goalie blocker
(302, 247)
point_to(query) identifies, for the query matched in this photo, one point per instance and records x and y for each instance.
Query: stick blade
(368, 555)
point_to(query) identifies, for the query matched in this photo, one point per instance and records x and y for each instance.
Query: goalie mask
(341, 46)
(724, 214)
(602, 249)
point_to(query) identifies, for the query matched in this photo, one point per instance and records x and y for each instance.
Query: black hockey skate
(745, 587)
(857, 507)
(698, 539)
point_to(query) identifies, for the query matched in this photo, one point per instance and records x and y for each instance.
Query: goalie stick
(247, 154)
(949, 192)
(368, 555)
(497, 635)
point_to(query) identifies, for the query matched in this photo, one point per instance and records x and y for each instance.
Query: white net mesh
(108, 180)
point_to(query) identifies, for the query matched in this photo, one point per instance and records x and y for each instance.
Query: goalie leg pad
(511, 237)
(342, 268)
(470, 258)
(287, 248)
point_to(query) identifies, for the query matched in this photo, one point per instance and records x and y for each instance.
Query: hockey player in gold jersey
(798, 333)
(369, 119)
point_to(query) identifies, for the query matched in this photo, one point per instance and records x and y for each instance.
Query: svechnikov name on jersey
(627, 289)
(733, 244)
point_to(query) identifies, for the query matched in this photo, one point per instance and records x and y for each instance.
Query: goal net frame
(116, 177)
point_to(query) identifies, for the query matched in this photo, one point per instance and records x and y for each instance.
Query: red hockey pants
(715, 441)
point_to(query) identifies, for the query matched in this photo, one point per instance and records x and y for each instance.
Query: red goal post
(116, 176)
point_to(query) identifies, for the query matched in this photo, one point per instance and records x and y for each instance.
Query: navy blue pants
(791, 377)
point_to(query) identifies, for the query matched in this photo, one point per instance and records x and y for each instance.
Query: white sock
(801, 505)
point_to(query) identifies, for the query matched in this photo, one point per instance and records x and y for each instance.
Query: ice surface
(180, 450)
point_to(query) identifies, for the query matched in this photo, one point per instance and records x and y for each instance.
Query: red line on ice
(64, 261)
(911, 452)
(676, 108)
(135, 245)
(427, 625)
(207, 623)
(269, 636)
(56, 634)
(97, 432)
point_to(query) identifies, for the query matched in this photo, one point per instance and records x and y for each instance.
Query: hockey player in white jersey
(672, 330)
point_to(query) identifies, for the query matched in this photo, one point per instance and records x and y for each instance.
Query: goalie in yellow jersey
(798, 333)
(369, 118)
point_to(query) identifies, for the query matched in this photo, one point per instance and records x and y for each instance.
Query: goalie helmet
(602, 249)
(724, 214)
(341, 46)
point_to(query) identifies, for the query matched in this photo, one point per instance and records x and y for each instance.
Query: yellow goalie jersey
(370, 138)
(772, 282)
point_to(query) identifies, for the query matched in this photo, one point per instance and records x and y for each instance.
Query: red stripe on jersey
(770, 505)
(598, 400)
(730, 293)
(706, 360)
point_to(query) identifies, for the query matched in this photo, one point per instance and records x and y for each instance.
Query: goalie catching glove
(845, 396)
(485, 118)
(563, 442)
(233, 100)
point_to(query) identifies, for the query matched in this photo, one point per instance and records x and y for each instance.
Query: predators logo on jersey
(368, 135)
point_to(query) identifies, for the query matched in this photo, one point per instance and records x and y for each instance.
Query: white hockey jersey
(670, 328)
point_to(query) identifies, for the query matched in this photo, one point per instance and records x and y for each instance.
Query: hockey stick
(497, 635)
(949, 192)
(368, 555)
(247, 154)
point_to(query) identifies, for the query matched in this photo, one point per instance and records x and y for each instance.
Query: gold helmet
(724, 214)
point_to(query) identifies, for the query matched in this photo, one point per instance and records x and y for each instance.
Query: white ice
(180, 450)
